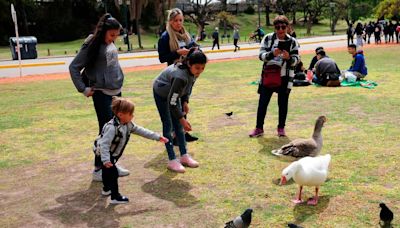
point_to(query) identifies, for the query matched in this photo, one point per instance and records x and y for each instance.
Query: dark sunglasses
(277, 27)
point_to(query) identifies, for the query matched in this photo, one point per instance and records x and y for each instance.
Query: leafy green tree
(226, 19)
(388, 9)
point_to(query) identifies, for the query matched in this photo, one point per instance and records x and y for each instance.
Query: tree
(226, 19)
(336, 11)
(314, 9)
(267, 4)
(388, 9)
(202, 13)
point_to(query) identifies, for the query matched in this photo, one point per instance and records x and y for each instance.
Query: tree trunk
(309, 25)
(138, 23)
(267, 22)
(294, 17)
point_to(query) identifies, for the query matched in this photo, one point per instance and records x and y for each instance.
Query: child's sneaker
(120, 200)
(281, 132)
(256, 133)
(105, 193)
(97, 175)
(186, 160)
(176, 166)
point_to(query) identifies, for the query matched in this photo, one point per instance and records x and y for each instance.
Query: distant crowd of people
(386, 29)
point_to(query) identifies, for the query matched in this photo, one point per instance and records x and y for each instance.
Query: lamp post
(332, 7)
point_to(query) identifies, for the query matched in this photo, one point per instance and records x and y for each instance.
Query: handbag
(271, 76)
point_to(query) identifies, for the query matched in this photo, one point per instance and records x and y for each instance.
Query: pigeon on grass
(386, 216)
(242, 221)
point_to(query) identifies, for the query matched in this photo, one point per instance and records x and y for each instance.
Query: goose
(299, 148)
(308, 171)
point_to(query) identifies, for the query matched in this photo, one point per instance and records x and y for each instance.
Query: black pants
(102, 105)
(110, 180)
(265, 97)
(215, 42)
(349, 40)
(235, 42)
(397, 37)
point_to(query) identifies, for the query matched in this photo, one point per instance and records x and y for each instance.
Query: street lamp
(332, 6)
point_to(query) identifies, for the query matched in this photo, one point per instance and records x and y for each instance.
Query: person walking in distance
(236, 38)
(215, 36)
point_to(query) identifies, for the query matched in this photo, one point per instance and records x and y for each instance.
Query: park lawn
(47, 129)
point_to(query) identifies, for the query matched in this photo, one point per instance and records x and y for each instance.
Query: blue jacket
(164, 52)
(358, 64)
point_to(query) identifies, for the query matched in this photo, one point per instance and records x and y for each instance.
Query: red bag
(271, 76)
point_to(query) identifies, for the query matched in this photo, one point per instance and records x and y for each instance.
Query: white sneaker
(106, 193)
(97, 175)
(122, 172)
(120, 200)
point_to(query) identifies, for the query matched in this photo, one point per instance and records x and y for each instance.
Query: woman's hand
(182, 51)
(185, 107)
(108, 165)
(186, 125)
(90, 93)
(277, 52)
(163, 139)
(285, 55)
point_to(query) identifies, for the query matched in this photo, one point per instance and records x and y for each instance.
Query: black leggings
(110, 180)
(265, 97)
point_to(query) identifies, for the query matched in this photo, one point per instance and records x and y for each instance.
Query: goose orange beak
(283, 180)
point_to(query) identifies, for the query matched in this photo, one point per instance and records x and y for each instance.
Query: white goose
(300, 148)
(308, 171)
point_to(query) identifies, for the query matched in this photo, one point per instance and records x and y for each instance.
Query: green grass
(247, 24)
(47, 128)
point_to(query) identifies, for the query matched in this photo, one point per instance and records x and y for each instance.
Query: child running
(173, 85)
(112, 141)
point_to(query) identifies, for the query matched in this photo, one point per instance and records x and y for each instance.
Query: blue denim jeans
(170, 124)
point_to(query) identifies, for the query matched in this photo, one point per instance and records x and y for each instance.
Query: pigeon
(229, 114)
(386, 216)
(292, 225)
(242, 221)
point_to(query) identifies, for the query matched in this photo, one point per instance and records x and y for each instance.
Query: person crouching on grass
(170, 87)
(112, 141)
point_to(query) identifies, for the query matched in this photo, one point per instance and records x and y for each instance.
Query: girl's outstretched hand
(163, 139)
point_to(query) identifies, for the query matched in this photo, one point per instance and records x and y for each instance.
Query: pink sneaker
(188, 161)
(281, 132)
(256, 133)
(176, 166)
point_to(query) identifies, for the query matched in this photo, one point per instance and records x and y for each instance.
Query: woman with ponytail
(172, 87)
(174, 44)
(96, 73)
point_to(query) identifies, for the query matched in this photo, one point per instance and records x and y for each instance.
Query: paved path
(60, 64)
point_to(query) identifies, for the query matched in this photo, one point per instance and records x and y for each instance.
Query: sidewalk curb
(149, 56)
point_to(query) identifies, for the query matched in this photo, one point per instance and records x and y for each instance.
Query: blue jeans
(170, 124)
(102, 105)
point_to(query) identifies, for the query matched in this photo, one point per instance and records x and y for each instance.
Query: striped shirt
(268, 45)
